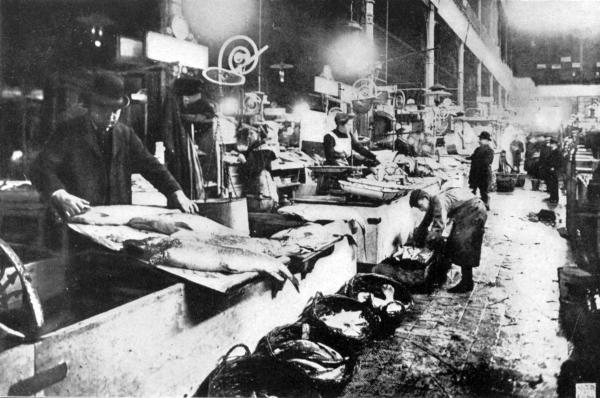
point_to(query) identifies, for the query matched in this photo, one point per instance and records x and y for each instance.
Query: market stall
(90, 300)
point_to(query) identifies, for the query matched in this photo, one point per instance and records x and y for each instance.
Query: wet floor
(503, 339)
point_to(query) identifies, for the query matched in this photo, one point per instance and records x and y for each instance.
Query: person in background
(552, 168)
(481, 168)
(544, 145)
(463, 246)
(342, 148)
(404, 146)
(516, 149)
(256, 157)
(89, 160)
(503, 166)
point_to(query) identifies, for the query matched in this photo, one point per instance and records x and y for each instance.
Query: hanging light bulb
(281, 76)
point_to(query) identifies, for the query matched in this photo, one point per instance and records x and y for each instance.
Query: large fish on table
(173, 222)
(270, 247)
(117, 214)
(200, 255)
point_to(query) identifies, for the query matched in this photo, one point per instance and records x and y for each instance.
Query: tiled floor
(503, 339)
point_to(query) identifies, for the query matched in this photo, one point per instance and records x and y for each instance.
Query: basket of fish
(258, 376)
(342, 318)
(412, 266)
(325, 366)
(386, 296)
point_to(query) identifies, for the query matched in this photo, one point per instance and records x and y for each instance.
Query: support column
(492, 86)
(479, 72)
(479, 10)
(430, 60)
(369, 5)
(460, 93)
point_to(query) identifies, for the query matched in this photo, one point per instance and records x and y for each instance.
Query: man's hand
(178, 200)
(69, 205)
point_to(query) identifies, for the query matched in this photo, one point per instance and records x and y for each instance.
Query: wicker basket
(373, 284)
(506, 182)
(320, 306)
(254, 375)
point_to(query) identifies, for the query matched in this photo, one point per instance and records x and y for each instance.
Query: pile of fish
(321, 347)
(173, 239)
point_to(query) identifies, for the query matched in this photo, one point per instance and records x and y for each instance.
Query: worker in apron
(468, 214)
(342, 148)
(256, 158)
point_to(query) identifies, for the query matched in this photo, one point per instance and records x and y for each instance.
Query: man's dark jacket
(72, 160)
(481, 166)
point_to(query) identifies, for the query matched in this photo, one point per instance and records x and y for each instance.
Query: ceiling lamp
(281, 67)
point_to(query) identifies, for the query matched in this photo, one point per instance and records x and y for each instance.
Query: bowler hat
(342, 118)
(485, 136)
(108, 89)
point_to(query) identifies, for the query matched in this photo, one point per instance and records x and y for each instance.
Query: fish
(310, 237)
(309, 367)
(350, 323)
(117, 214)
(316, 212)
(336, 374)
(306, 349)
(320, 373)
(211, 257)
(173, 222)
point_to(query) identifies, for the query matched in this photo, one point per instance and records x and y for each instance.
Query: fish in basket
(414, 267)
(341, 318)
(257, 376)
(389, 298)
(379, 190)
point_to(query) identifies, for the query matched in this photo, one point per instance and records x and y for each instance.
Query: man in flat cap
(89, 160)
(341, 146)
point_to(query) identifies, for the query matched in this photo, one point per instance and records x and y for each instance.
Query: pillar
(460, 93)
(479, 10)
(492, 86)
(369, 5)
(479, 72)
(430, 60)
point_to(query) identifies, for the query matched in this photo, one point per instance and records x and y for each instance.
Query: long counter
(387, 225)
(160, 343)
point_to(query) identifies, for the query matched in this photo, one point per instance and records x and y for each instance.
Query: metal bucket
(230, 212)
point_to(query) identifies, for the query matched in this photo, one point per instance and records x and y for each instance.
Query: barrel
(230, 212)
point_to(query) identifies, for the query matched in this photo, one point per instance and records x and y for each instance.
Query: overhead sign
(565, 59)
(347, 93)
(165, 48)
(326, 86)
(556, 66)
(576, 65)
(541, 66)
